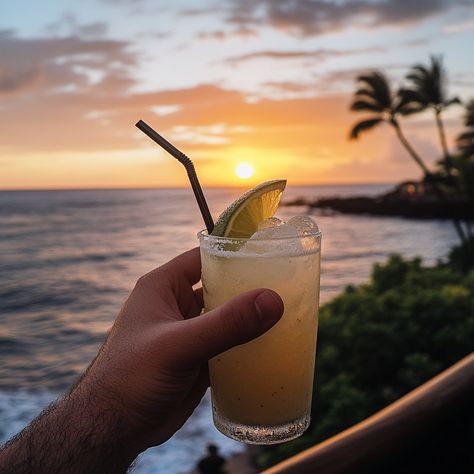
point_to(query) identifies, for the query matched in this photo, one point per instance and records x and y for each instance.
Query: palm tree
(428, 90)
(464, 162)
(374, 95)
(465, 141)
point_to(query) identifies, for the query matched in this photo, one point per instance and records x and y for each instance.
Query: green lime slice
(240, 220)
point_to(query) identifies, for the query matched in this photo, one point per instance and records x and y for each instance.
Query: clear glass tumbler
(262, 390)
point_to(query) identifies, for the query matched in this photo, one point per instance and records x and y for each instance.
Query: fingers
(191, 306)
(198, 304)
(187, 266)
(238, 321)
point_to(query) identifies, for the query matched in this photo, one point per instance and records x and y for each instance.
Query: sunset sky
(267, 83)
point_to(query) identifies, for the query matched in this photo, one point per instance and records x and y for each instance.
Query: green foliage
(464, 161)
(462, 257)
(381, 340)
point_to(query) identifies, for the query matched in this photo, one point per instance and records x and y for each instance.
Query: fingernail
(269, 307)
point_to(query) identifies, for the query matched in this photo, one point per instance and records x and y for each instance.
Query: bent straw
(188, 164)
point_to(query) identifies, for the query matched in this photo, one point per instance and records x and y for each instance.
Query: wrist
(73, 435)
(104, 421)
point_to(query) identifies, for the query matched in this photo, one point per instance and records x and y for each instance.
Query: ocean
(68, 259)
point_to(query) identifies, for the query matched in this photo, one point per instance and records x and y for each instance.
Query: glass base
(255, 434)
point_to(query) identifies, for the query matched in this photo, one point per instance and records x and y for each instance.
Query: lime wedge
(240, 220)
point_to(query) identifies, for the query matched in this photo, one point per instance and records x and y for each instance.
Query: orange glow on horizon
(303, 141)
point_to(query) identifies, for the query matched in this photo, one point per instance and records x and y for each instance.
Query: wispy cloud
(314, 17)
(68, 25)
(54, 63)
(459, 27)
(319, 54)
(289, 86)
(200, 11)
(219, 35)
(21, 78)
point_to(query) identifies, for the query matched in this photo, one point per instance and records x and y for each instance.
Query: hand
(147, 378)
(153, 365)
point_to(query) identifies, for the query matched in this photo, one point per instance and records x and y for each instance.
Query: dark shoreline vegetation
(392, 203)
(380, 340)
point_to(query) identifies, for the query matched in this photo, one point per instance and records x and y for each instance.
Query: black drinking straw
(188, 164)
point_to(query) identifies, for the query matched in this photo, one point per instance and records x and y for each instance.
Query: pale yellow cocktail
(261, 391)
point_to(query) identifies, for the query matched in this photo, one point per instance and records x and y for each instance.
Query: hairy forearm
(77, 434)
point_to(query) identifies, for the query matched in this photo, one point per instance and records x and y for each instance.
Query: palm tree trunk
(449, 169)
(409, 148)
(438, 191)
(444, 144)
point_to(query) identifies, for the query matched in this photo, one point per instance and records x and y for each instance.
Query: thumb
(240, 320)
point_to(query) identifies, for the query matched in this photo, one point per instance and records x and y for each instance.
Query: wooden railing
(388, 433)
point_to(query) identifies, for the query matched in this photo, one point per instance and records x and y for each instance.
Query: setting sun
(244, 170)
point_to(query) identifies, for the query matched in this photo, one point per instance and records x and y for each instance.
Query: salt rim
(215, 245)
(203, 234)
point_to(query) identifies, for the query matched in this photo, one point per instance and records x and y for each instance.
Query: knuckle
(149, 280)
(142, 282)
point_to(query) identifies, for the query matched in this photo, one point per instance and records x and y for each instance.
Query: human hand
(147, 378)
(153, 366)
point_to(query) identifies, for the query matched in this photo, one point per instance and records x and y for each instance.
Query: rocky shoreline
(426, 207)
(409, 199)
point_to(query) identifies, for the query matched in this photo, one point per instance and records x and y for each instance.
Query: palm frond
(465, 142)
(366, 105)
(418, 75)
(363, 126)
(409, 102)
(365, 94)
(469, 117)
(452, 101)
(469, 135)
(410, 109)
(377, 82)
(429, 81)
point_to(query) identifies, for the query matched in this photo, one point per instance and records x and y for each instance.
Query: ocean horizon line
(156, 188)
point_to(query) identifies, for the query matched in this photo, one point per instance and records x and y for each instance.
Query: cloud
(198, 11)
(318, 54)
(68, 25)
(242, 32)
(123, 2)
(20, 79)
(467, 25)
(345, 79)
(50, 64)
(101, 116)
(95, 29)
(217, 35)
(315, 17)
(289, 86)
(415, 42)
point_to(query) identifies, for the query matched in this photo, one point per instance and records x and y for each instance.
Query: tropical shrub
(380, 340)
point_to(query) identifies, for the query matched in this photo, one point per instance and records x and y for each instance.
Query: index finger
(187, 265)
